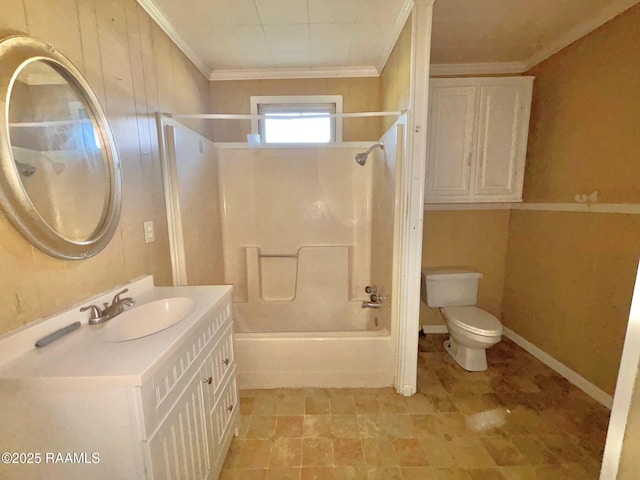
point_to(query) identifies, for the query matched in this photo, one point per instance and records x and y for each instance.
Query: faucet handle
(376, 297)
(371, 289)
(96, 312)
(116, 299)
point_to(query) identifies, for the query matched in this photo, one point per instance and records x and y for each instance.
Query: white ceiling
(295, 38)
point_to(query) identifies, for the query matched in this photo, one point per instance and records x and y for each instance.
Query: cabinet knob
(230, 408)
(226, 361)
(208, 380)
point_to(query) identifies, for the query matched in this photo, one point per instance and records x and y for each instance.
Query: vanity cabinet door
(452, 113)
(503, 120)
(179, 449)
(477, 140)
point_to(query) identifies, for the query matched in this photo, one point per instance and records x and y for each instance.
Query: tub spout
(371, 304)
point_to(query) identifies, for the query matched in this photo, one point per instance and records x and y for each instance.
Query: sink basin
(148, 319)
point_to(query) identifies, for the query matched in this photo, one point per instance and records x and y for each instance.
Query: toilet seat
(474, 320)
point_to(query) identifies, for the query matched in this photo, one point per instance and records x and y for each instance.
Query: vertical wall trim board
(627, 377)
(411, 200)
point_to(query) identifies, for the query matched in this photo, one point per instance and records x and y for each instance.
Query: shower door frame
(166, 141)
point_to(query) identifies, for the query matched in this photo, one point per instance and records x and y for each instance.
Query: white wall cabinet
(477, 139)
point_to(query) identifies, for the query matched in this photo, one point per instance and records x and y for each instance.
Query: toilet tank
(450, 287)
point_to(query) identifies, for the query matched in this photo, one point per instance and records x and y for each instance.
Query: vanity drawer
(223, 414)
(221, 360)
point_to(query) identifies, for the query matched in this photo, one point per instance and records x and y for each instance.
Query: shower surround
(305, 230)
(297, 237)
(299, 231)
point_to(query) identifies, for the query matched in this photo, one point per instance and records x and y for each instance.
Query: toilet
(471, 329)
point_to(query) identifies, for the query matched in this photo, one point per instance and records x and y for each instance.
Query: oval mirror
(60, 179)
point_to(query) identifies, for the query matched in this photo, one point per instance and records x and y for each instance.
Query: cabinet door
(178, 450)
(449, 156)
(502, 139)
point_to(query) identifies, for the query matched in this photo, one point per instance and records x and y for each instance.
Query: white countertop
(84, 355)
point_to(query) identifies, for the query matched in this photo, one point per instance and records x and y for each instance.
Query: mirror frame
(16, 52)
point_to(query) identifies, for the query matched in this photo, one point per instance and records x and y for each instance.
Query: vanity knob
(230, 408)
(208, 380)
(226, 361)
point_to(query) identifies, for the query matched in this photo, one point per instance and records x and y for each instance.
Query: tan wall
(395, 78)
(569, 276)
(583, 133)
(359, 95)
(470, 238)
(568, 286)
(135, 70)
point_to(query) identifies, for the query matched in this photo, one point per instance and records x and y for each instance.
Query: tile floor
(518, 420)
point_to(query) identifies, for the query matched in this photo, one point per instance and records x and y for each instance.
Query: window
(298, 119)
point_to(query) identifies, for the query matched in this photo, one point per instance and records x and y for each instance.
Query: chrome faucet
(118, 305)
(375, 297)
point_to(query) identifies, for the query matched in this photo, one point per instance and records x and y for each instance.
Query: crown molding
(282, 73)
(444, 69)
(156, 14)
(401, 19)
(602, 17)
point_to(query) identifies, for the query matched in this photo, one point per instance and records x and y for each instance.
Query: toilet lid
(474, 320)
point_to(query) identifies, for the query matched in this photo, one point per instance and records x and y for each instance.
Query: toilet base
(471, 359)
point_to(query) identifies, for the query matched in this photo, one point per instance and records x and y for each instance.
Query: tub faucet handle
(376, 297)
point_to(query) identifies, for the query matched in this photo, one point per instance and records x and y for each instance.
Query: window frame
(311, 100)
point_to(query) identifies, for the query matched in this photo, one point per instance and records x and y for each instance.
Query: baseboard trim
(434, 328)
(578, 380)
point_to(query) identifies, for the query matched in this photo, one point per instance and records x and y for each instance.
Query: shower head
(361, 158)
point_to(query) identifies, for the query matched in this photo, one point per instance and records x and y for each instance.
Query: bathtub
(315, 359)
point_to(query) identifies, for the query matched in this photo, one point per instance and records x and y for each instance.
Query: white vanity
(164, 406)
